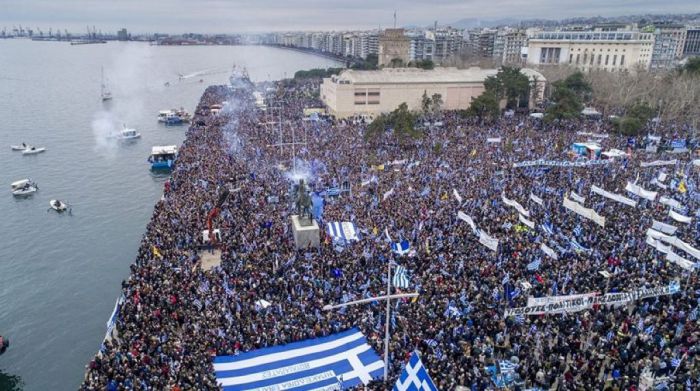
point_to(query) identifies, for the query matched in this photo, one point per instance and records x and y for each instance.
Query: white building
(370, 93)
(594, 49)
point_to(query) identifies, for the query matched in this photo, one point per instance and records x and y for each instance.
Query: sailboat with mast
(104, 92)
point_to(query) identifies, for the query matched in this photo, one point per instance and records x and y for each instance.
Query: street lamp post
(388, 298)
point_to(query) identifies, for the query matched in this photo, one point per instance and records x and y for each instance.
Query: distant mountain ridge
(470, 23)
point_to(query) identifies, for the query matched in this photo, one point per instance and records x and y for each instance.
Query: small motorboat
(33, 150)
(59, 206)
(20, 147)
(24, 187)
(4, 344)
(126, 134)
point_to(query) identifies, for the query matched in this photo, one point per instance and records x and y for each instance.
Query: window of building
(571, 58)
(577, 58)
(600, 59)
(585, 58)
(592, 59)
(360, 93)
(607, 58)
(373, 102)
(622, 60)
(614, 60)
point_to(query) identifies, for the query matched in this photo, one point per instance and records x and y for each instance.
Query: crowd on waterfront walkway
(176, 316)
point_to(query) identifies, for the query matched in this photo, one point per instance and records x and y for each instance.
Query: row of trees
(673, 95)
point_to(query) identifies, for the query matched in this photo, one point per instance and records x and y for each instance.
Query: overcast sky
(226, 16)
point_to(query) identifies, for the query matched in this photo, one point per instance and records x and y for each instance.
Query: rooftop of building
(417, 75)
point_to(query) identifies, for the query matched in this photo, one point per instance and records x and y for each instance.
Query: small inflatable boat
(20, 147)
(33, 150)
(58, 205)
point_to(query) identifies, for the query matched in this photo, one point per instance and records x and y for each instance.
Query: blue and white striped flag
(343, 231)
(519, 319)
(507, 367)
(534, 265)
(578, 230)
(649, 330)
(401, 248)
(197, 304)
(312, 363)
(548, 229)
(414, 377)
(431, 342)
(400, 279)
(675, 362)
(576, 246)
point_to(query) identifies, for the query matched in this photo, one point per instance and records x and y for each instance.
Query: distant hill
(469, 23)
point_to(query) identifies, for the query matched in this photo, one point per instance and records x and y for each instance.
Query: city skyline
(222, 16)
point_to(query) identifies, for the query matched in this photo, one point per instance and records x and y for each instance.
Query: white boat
(23, 187)
(20, 147)
(33, 150)
(58, 205)
(126, 134)
(104, 92)
(174, 116)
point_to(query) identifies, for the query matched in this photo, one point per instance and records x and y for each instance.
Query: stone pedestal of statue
(305, 235)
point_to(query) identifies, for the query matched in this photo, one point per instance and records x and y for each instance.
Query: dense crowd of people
(176, 315)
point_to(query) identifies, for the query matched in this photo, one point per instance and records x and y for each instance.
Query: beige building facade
(367, 94)
(592, 50)
(393, 43)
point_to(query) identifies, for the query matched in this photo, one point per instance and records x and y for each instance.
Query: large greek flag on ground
(345, 231)
(338, 361)
(414, 377)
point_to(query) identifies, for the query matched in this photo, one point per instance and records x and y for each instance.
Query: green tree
(425, 102)
(396, 63)
(403, 121)
(484, 107)
(436, 103)
(376, 128)
(692, 67)
(577, 83)
(641, 111)
(509, 84)
(629, 126)
(567, 103)
(425, 64)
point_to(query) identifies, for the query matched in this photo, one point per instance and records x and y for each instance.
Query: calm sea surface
(60, 275)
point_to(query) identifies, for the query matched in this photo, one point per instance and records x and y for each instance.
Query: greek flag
(345, 231)
(675, 362)
(548, 229)
(310, 364)
(507, 367)
(519, 319)
(400, 279)
(678, 144)
(576, 246)
(414, 377)
(534, 265)
(578, 230)
(332, 191)
(401, 248)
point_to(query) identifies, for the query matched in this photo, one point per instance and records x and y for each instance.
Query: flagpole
(386, 322)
